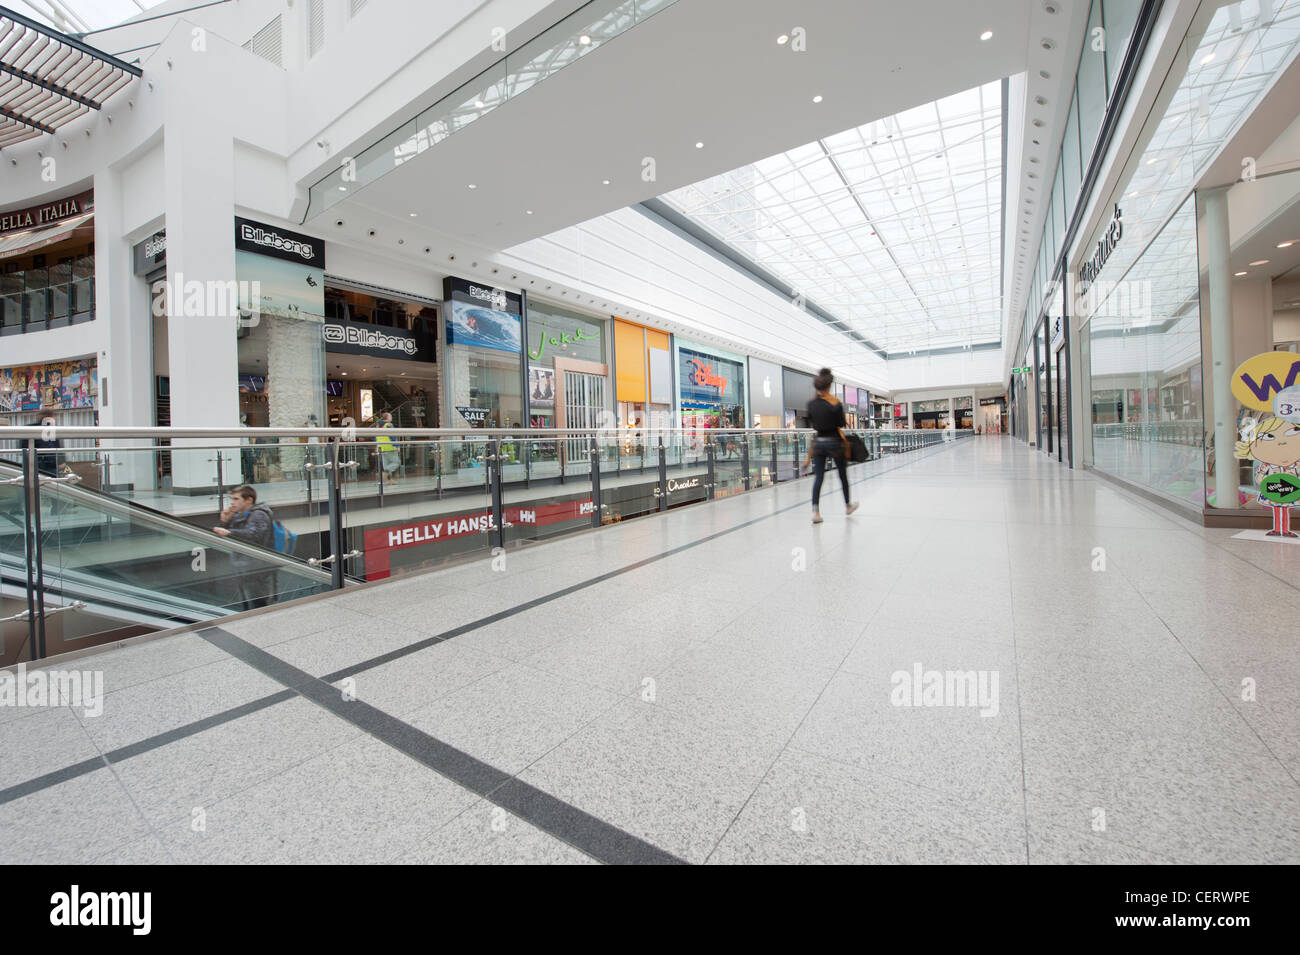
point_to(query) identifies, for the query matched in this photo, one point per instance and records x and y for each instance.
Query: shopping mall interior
(871, 439)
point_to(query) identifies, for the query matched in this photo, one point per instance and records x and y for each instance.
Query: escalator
(112, 568)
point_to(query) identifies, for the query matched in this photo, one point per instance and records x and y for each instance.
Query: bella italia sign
(48, 213)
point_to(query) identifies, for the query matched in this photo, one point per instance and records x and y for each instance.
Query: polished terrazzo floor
(728, 690)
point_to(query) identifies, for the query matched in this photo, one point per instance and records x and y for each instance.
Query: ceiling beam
(46, 85)
(8, 114)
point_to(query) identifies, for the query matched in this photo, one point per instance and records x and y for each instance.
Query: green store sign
(1280, 488)
(579, 335)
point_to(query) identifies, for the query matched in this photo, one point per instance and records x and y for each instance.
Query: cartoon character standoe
(1274, 446)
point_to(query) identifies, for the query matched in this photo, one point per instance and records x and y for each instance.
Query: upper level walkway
(726, 683)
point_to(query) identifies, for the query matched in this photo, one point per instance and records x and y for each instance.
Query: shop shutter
(266, 43)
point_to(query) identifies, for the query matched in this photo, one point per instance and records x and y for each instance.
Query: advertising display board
(56, 386)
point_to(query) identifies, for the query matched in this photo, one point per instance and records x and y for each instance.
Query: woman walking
(827, 416)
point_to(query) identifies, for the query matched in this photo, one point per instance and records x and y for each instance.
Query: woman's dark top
(827, 418)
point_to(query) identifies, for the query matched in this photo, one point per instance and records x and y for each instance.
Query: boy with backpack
(250, 523)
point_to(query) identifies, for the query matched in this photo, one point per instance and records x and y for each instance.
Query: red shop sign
(382, 540)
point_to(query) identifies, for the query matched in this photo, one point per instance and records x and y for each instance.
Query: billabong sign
(368, 340)
(472, 415)
(278, 243)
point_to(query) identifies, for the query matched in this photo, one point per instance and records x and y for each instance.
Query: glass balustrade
(126, 532)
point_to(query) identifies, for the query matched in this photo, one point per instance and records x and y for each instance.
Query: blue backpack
(282, 540)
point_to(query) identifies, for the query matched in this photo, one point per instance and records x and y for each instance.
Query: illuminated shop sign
(1105, 246)
(47, 213)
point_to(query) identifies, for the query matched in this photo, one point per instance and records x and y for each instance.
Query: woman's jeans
(824, 448)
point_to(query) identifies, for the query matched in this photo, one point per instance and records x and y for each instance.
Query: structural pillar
(1218, 249)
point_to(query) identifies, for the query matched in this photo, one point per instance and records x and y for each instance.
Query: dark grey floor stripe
(143, 746)
(583, 831)
(35, 785)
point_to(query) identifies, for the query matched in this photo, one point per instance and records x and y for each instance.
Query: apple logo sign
(767, 387)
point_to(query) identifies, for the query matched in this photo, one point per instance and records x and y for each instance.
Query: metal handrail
(29, 432)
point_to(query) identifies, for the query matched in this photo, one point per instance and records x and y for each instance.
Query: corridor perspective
(560, 707)
(649, 432)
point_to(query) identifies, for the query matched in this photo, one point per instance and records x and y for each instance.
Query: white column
(202, 353)
(1217, 242)
(122, 306)
(952, 414)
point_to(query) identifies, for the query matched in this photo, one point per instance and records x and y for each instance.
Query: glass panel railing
(131, 534)
(577, 35)
(111, 570)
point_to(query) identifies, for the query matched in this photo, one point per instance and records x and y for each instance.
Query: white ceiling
(705, 71)
(711, 72)
(82, 16)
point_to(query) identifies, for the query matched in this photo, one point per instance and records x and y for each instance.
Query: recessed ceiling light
(343, 188)
(1044, 74)
(478, 104)
(472, 186)
(782, 39)
(986, 35)
(411, 214)
(817, 98)
(1260, 262)
(1239, 273)
(1206, 59)
(584, 40)
(604, 182)
(528, 212)
(699, 145)
(1286, 245)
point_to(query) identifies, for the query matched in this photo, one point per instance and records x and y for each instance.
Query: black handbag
(856, 448)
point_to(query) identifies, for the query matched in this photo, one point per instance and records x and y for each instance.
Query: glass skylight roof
(81, 16)
(893, 227)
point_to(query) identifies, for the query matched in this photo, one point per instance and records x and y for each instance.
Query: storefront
(766, 402)
(281, 279)
(483, 362)
(47, 265)
(644, 370)
(798, 392)
(711, 387)
(1180, 279)
(381, 356)
(931, 415)
(568, 370)
(964, 410)
(992, 415)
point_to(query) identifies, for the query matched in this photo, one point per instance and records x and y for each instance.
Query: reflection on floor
(993, 660)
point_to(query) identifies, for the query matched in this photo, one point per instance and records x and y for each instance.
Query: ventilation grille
(315, 26)
(266, 43)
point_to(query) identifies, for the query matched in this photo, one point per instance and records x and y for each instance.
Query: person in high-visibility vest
(389, 458)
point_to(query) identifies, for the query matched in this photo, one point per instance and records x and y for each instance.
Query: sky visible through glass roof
(893, 227)
(84, 15)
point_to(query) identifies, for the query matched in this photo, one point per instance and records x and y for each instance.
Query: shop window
(1119, 17)
(1091, 84)
(1071, 178)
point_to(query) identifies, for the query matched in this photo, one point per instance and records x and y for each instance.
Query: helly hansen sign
(380, 541)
